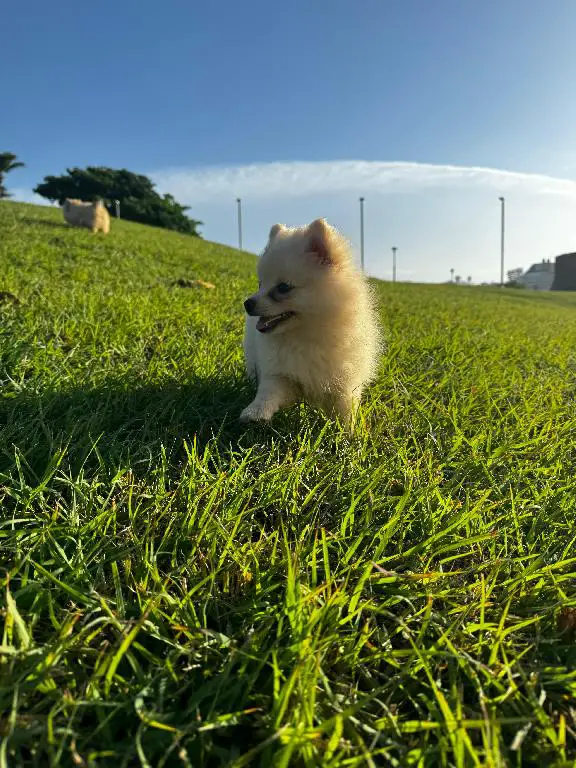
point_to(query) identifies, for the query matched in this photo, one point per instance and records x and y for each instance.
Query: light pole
(502, 234)
(452, 275)
(362, 233)
(394, 249)
(239, 204)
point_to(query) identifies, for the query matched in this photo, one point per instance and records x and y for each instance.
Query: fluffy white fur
(94, 216)
(326, 348)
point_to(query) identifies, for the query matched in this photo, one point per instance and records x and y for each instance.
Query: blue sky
(301, 107)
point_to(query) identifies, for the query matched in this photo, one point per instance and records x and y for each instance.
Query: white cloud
(299, 179)
(439, 216)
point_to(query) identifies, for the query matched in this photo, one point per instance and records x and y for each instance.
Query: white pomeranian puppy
(93, 216)
(312, 331)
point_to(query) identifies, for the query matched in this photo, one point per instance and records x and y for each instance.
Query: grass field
(181, 591)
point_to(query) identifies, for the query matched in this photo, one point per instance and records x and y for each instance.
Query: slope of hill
(183, 591)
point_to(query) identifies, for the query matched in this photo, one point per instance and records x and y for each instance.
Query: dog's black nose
(250, 306)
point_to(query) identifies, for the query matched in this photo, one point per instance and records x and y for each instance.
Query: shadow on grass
(551, 298)
(114, 424)
(36, 221)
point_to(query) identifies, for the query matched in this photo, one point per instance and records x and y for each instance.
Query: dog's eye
(283, 288)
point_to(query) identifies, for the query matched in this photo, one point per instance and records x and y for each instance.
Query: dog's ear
(319, 242)
(275, 229)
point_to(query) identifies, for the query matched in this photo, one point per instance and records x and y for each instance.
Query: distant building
(565, 274)
(539, 277)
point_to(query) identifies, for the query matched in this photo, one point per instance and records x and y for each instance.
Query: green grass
(181, 591)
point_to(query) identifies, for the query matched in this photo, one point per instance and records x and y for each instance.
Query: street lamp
(239, 204)
(362, 233)
(502, 233)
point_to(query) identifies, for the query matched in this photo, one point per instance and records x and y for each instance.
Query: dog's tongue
(266, 324)
(262, 323)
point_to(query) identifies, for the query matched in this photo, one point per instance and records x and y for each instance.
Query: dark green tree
(8, 162)
(139, 201)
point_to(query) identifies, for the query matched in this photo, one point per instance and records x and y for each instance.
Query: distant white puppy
(94, 216)
(312, 331)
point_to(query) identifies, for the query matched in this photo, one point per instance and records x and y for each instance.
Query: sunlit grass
(178, 590)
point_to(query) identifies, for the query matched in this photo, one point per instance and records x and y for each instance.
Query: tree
(8, 162)
(139, 200)
(458, 279)
(515, 278)
(514, 275)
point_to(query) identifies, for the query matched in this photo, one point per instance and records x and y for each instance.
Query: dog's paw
(254, 413)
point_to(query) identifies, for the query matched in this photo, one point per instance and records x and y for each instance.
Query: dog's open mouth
(267, 324)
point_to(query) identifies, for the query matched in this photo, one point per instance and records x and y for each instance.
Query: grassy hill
(178, 590)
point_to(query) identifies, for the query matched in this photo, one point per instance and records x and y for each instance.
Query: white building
(539, 277)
